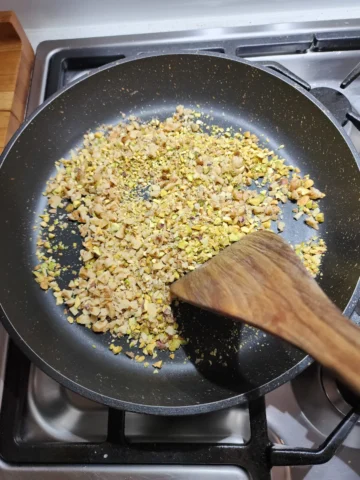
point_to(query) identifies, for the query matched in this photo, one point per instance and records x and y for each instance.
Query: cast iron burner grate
(69, 65)
(258, 455)
(334, 100)
(338, 104)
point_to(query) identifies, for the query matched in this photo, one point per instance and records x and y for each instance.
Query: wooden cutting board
(16, 62)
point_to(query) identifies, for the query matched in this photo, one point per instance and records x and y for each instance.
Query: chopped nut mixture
(311, 253)
(153, 201)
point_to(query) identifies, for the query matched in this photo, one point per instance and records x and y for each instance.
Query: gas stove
(48, 432)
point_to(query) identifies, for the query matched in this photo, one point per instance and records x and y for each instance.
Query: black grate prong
(277, 67)
(354, 119)
(116, 427)
(353, 75)
(307, 456)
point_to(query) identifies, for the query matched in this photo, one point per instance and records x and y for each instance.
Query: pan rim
(186, 409)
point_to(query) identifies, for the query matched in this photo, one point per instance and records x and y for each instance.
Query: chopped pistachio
(136, 240)
(319, 217)
(157, 364)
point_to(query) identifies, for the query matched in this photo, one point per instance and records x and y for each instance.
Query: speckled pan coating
(236, 94)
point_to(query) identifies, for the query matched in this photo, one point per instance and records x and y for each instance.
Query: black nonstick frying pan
(235, 93)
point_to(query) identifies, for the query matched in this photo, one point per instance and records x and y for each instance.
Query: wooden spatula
(261, 281)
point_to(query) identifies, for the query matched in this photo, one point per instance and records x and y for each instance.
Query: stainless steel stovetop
(300, 414)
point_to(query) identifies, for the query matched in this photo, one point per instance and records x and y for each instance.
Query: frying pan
(234, 93)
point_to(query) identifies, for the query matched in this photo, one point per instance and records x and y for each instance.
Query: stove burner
(349, 396)
(321, 402)
(335, 101)
(336, 393)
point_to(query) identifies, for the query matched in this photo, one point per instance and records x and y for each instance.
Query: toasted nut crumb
(115, 349)
(157, 364)
(280, 226)
(312, 223)
(153, 201)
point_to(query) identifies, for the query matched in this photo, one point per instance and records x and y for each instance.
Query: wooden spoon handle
(260, 280)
